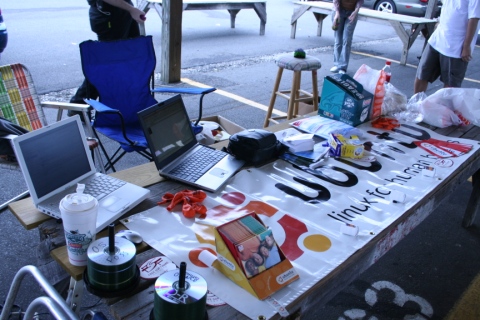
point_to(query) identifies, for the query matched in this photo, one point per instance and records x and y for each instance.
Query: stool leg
(273, 98)
(295, 106)
(293, 94)
(315, 90)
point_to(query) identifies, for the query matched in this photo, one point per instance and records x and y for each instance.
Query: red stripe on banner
(293, 230)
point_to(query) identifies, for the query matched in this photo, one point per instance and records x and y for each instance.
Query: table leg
(319, 17)
(75, 294)
(261, 10)
(474, 203)
(233, 15)
(404, 37)
(297, 13)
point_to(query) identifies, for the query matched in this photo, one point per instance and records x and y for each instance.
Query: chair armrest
(100, 107)
(184, 90)
(60, 106)
(64, 106)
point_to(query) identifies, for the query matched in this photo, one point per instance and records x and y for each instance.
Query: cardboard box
(344, 99)
(304, 108)
(341, 146)
(227, 128)
(261, 285)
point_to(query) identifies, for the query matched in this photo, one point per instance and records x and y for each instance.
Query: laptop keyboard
(197, 164)
(102, 186)
(98, 187)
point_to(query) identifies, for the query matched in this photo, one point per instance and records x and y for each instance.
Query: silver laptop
(176, 152)
(55, 158)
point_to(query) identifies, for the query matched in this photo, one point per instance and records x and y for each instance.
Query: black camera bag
(255, 146)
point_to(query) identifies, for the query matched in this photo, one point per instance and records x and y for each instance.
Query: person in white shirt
(450, 47)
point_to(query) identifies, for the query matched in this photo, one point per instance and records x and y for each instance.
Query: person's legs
(337, 47)
(428, 69)
(420, 85)
(453, 71)
(347, 41)
(85, 90)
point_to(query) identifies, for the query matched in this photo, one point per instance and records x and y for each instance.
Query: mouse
(131, 235)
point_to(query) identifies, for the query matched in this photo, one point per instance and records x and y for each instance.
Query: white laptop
(175, 148)
(55, 158)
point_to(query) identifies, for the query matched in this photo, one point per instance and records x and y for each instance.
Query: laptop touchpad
(219, 172)
(114, 204)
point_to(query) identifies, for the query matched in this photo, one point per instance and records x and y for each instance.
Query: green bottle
(335, 24)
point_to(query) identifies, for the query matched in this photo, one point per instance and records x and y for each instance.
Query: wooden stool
(295, 94)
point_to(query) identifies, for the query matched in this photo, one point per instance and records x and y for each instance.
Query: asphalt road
(429, 269)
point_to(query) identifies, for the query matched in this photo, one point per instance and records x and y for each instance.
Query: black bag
(255, 146)
(8, 127)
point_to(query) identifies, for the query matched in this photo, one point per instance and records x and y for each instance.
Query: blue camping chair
(123, 73)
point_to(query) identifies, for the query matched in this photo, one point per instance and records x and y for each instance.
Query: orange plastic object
(190, 200)
(385, 123)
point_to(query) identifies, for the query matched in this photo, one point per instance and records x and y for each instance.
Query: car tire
(386, 6)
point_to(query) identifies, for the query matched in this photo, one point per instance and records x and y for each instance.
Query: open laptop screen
(168, 129)
(58, 154)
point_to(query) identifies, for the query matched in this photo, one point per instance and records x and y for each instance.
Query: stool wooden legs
(294, 96)
(273, 98)
(315, 90)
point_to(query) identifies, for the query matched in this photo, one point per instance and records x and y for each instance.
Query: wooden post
(171, 41)
(429, 14)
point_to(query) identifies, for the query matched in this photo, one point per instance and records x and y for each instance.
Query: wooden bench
(402, 24)
(233, 7)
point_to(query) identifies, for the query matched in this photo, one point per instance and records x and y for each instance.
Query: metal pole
(43, 282)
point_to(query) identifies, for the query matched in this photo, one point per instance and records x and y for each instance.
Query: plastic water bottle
(388, 70)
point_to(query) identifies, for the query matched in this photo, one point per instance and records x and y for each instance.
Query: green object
(335, 24)
(299, 53)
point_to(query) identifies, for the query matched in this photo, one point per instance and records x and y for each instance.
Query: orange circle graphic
(317, 243)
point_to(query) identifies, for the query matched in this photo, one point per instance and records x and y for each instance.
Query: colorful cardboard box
(261, 285)
(344, 99)
(341, 146)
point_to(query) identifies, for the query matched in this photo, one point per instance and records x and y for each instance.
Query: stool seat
(295, 94)
(298, 64)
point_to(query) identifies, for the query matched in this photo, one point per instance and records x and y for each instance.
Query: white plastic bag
(373, 81)
(439, 115)
(396, 105)
(464, 102)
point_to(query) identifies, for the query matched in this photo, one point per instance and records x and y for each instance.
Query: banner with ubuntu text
(307, 208)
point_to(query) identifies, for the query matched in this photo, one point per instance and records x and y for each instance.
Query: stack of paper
(299, 142)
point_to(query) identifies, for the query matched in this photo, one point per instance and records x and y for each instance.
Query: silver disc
(166, 287)
(98, 252)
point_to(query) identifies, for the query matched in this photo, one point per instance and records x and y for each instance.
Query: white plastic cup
(79, 216)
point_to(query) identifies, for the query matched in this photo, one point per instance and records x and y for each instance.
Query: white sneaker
(341, 71)
(334, 69)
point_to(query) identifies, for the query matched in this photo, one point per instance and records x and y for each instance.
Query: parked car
(408, 7)
(3, 33)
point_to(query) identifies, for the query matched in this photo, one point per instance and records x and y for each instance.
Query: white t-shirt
(450, 33)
